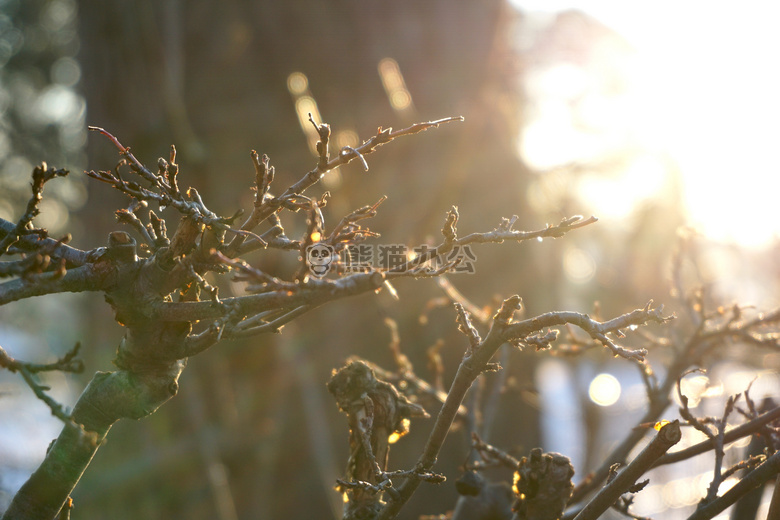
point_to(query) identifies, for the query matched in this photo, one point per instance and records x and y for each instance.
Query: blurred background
(659, 119)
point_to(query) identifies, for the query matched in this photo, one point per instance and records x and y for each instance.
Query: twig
(126, 216)
(272, 204)
(717, 479)
(489, 451)
(139, 168)
(743, 430)
(499, 235)
(685, 412)
(456, 296)
(358, 154)
(348, 229)
(402, 362)
(667, 436)
(31, 265)
(502, 330)
(40, 175)
(597, 330)
(168, 195)
(67, 363)
(466, 327)
(33, 243)
(764, 472)
(249, 273)
(274, 325)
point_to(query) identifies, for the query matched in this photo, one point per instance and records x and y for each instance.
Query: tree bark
(110, 396)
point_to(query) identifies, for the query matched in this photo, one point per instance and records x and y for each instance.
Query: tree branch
(767, 470)
(502, 330)
(500, 234)
(32, 243)
(272, 204)
(743, 430)
(667, 436)
(110, 396)
(68, 363)
(311, 292)
(40, 175)
(88, 277)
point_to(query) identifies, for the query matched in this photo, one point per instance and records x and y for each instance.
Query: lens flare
(604, 390)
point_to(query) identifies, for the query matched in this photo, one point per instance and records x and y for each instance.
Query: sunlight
(604, 390)
(699, 87)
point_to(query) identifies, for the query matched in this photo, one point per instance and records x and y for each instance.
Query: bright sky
(704, 89)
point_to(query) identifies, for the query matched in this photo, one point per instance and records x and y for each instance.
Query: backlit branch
(32, 243)
(155, 294)
(734, 434)
(40, 175)
(67, 363)
(763, 473)
(502, 330)
(500, 234)
(271, 205)
(667, 436)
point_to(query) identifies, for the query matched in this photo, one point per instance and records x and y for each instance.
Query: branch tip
(507, 310)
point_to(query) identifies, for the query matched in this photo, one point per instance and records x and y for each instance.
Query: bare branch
(597, 330)
(274, 325)
(34, 242)
(736, 433)
(272, 204)
(667, 436)
(766, 471)
(135, 164)
(502, 330)
(499, 235)
(88, 277)
(465, 326)
(491, 452)
(67, 363)
(40, 175)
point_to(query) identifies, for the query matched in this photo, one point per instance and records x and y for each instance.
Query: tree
(248, 435)
(164, 291)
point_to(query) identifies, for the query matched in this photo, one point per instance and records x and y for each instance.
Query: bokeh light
(297, 83)
(604, 390)
(305, 108)
(579, 265)
(394, 84)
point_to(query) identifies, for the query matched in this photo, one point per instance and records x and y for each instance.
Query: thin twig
(272, 204)
(497, 236)
(489, 451)
(67, 363)
(743, 430)
(757, 477)
(667, 436)
(502, 330)
(40, 175)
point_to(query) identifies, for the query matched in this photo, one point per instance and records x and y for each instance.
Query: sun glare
(700, 89)
(604, 390)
